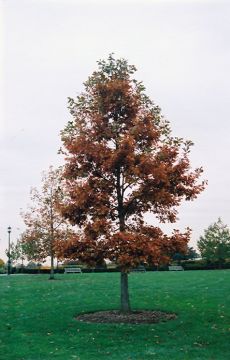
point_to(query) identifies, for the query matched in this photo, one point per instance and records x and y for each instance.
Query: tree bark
(52, 267)
(51, 242)
(125, 304)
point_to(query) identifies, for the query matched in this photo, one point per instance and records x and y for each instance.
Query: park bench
(139, 269)
(175, 268)
(72, 270)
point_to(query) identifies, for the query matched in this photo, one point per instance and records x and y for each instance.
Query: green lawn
(37, 317)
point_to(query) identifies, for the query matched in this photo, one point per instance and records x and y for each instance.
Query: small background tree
(190, 254)
(18, 251)
(214, 245)
(122, 162)
(2, 264)
(44, 225)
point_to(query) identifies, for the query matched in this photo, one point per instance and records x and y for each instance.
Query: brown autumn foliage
(121, 162)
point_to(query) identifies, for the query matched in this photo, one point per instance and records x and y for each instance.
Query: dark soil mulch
(134, 317)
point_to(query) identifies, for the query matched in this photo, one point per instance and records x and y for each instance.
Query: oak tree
(121, 162)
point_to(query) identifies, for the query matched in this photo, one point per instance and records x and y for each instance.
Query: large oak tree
(121, 162)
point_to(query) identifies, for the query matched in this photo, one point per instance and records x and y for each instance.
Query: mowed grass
(37, 317)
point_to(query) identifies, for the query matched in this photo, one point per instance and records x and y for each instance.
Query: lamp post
(9, 261)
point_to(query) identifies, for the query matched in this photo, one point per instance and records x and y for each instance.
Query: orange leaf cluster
(149, 245)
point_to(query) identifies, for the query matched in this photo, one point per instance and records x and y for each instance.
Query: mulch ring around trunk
(133, 317)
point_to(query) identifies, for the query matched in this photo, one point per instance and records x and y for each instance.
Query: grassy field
(37, 317)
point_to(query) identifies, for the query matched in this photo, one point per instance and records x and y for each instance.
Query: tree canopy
(214, 245)
(190, 254)
(45, 227)
(2, 263)
(121, 162)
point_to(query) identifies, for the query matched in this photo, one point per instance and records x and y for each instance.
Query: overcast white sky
(50, 47)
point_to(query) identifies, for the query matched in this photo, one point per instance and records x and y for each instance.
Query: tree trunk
(52, 267)
(125, 305)
(51, 242)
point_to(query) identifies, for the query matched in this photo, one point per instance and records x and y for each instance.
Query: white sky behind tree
(49, 48)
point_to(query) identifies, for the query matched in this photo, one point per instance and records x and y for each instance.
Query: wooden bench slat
(175, 268)
(139, 269)
(72, 270)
